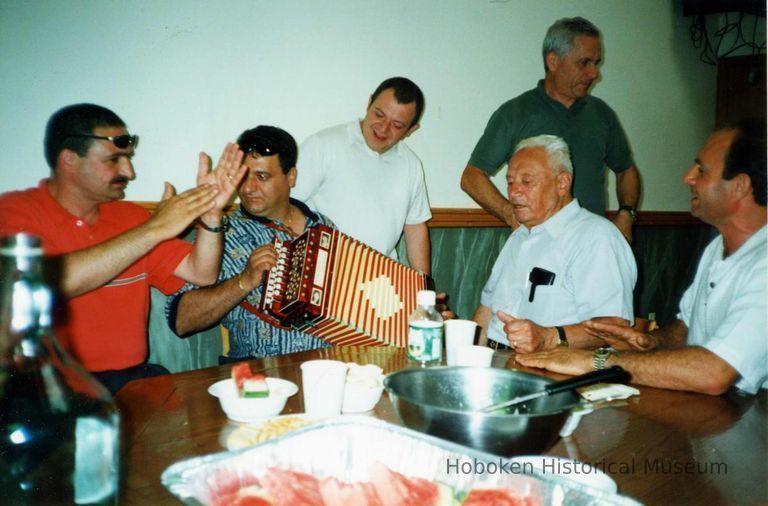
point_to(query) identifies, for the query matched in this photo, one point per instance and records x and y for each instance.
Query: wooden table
(662, 447)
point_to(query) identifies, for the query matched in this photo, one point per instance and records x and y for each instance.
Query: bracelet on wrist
(240, 283)
(223, 226)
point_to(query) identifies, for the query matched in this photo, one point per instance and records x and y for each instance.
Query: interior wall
(191, 75)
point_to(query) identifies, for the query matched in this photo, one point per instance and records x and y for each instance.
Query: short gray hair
(560, 36)
(557, 150)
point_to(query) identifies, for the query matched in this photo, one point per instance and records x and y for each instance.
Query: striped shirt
(250, 336)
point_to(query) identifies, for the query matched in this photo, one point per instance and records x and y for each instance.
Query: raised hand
(226, 176)
(175, 213)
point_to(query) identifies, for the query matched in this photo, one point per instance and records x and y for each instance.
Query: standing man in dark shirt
(561, 105)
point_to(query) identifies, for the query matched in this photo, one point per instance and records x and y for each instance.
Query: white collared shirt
(369, 196)
(594, 272)
(726, 308)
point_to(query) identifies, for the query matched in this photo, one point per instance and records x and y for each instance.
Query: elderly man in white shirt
(561, 267)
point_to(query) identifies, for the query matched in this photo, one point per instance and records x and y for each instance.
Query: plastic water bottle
(425, 331)
(59, 429)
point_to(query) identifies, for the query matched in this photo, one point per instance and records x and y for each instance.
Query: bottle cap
(425, 298)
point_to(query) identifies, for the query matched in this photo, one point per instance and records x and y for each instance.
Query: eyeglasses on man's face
(120, 141)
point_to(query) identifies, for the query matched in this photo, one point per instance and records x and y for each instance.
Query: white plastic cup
(458, 333)
(322, 383)
(474, 356)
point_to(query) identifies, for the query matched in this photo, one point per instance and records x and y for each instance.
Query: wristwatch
(631, 210)
(223, 227)
(599, 356)
(562, 338)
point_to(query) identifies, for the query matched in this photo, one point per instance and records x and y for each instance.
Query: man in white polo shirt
(564, 265)
(369, 183)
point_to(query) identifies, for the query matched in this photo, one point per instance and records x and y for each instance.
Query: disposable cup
(458, 333)
(323, 386)
(475, 356)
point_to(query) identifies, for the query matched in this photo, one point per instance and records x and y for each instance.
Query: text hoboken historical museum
(554, 465)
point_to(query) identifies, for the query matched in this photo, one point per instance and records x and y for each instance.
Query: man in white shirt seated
(366, 180)
(564, 265)
(720, 337)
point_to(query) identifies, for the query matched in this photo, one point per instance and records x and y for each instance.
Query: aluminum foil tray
(345, 448)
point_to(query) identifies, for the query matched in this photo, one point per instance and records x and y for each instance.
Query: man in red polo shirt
(110, 251)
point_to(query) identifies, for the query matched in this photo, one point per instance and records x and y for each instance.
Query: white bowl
(252, 409)
(360, 398)
(363, 388)
(570, 469)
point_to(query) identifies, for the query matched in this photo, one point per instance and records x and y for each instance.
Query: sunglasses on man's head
(120, 141)
(261, 147)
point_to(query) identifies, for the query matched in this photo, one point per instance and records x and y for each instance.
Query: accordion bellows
(332, 286)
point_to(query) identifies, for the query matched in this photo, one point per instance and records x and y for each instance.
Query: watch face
(631, 210)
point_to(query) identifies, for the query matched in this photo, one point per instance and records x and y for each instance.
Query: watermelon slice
(240, 373)
(395, 489)
(255, 386)
(247, 383)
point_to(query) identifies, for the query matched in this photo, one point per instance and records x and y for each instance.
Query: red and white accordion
(332, 286)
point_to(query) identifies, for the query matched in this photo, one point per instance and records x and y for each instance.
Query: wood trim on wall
(456, 218)
(443, 217)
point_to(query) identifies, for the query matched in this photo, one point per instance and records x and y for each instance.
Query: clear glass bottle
(59, 429)
(425, 331)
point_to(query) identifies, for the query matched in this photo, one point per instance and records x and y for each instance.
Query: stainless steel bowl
(443, 402)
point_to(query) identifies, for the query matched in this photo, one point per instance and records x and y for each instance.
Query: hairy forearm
(205, 307)
(417, 247)
(479, 186)
(671, 336)
(201, 266)
(91, 268)
(693, 369)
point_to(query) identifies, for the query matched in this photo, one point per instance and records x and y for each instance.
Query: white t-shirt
(594, 272)
(369, 196)
(726, 308)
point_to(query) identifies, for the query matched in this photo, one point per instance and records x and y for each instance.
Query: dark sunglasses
(261, 146)
(120, 141)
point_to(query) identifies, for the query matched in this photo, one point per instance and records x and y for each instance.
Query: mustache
(120, 179)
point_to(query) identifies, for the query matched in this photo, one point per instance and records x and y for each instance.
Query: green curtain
(667, 256)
